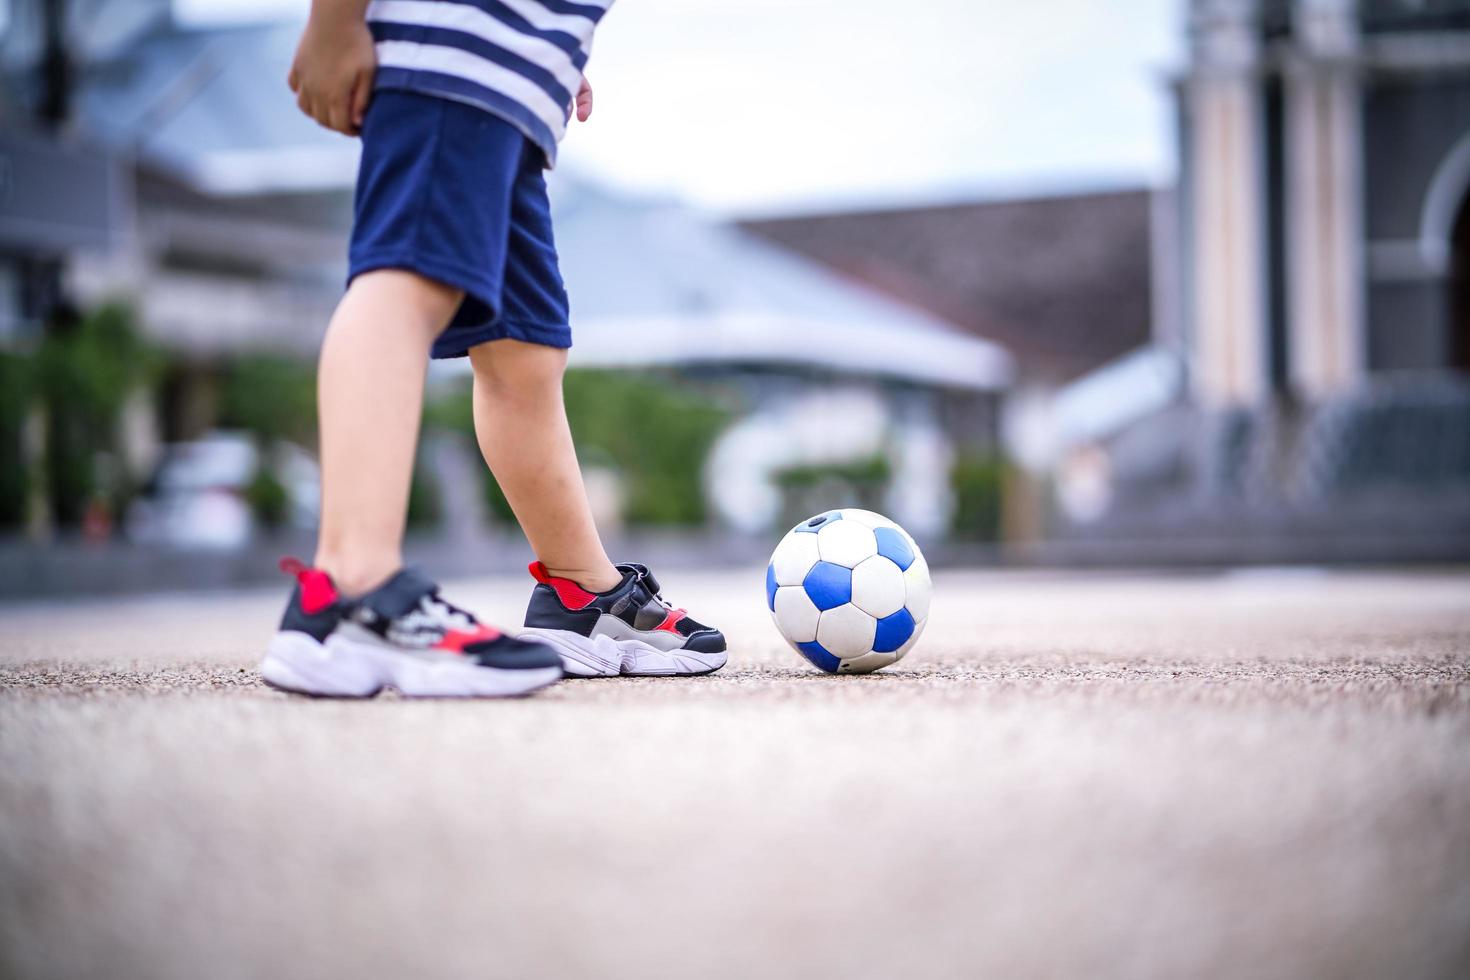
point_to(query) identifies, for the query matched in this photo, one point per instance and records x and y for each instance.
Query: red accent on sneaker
(572, 595)
(317, 590)
(671, 621)
(455, 641)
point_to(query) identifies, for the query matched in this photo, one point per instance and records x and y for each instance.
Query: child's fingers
(362, 93)
(318, 108)
(339, 113)
(583, 101)
(293, 79)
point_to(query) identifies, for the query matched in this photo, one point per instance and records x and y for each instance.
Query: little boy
(459, 106)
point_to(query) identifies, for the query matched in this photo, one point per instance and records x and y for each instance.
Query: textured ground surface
(1258, 774)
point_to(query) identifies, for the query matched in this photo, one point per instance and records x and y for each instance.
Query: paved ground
(1262, 774)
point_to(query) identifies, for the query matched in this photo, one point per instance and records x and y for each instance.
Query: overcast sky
(770, 105)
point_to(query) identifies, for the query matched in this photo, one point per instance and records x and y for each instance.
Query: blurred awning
(653, 283)
(899, 352)
(1107, 401)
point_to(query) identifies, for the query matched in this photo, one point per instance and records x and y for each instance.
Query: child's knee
(513, 367)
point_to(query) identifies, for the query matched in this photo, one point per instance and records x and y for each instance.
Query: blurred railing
(1385, 16)
(1404, 435)
(1275, 17)
(1378, 474)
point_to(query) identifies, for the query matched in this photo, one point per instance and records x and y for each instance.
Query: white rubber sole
(347, 668)
(603, 656)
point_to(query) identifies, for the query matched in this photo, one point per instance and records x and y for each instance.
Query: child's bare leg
(521, 424)
(370, 390)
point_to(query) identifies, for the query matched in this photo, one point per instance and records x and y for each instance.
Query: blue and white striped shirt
(519, 59)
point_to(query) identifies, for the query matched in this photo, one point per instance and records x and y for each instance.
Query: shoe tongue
(399, 594)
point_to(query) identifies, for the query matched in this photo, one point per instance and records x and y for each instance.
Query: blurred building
(1068, 284)
(147, 166)
(1325, 151)
(835, 372)
(1062, 282)
(227, 232)
(1265, 362)
(1324, 231)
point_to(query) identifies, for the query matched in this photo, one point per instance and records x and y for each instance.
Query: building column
(1324, 230)
(1229, 345)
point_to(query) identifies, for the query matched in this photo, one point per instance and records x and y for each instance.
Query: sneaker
(400, 635)
(628, 630)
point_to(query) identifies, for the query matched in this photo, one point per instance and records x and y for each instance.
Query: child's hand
(332, 75)
(584, 100)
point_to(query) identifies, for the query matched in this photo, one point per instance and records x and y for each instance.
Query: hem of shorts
(450, 273)
(557, 335)
(548, 152)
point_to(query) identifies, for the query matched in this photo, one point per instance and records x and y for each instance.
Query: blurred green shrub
(271, 396)
(268, 497)
(17, 397)
(865, 475)
(811, 489)
(654, 430)
(977, 482)
(85, 371)
(425, 503)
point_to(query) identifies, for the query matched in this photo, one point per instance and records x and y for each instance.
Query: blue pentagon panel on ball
(814, 524)
(894, 546)
(819, 656)
(771, 586)
(828, 585)
(893, 631)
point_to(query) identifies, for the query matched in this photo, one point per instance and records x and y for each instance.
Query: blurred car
(200, 494)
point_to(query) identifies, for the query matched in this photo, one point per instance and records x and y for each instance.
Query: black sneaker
(628, 630)
(400, 635)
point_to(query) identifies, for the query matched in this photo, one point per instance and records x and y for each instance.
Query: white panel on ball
(795, 615)
(919, 588)
(794, 557)
(846, 631)
(878, 587)
(866, 518)
(867, 663)
(846, 543)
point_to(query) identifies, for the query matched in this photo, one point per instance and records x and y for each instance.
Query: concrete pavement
(1262, 773)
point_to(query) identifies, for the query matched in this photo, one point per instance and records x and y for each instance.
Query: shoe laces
(447, 613)
(659, 598)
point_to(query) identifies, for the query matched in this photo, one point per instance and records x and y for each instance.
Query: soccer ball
(849, 590)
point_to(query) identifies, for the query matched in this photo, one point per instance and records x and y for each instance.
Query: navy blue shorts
(457, 195)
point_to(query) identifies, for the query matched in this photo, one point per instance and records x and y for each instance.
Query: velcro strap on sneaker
(644, 575)
(399, 594)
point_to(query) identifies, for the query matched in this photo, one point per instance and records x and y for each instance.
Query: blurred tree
(977, 481)
(17, 399)
(812, 488)
(86, 368)
(653, 430)
(270, 396)
(656, 433)
(267, 497)
(425, 503)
